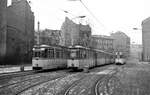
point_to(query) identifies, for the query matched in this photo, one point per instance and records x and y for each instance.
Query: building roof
(146, 20)
(102, 36)
(119, 33)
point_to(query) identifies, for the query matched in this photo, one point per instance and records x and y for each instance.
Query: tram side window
(84, 54)
(65, 54)
(81, 54)
(50, 53)
(58, 53)
(45, 54)
(100, 55)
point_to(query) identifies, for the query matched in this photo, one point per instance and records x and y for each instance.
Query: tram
(82, 57)
(120, 59)
(49, 57)
(103, 57)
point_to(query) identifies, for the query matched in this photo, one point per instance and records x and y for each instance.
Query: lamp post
(135, 28)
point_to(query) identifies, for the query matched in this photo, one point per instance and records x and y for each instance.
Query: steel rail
(103, 79)
(18, 74)
(72, 85)
(21, 91)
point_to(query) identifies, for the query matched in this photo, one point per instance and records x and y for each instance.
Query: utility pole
(38, 37)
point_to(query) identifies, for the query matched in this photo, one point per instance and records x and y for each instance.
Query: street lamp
(135, 28)
(67, 12)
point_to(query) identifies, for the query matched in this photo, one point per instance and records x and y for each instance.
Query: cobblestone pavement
(84, 86)
(129, 79)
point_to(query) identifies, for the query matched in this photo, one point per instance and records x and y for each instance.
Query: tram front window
(36, 54)
(39, 53)
(73, 54)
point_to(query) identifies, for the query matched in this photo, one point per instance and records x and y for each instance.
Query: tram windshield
(78, 54)
(73, 54)
(38, 52)
(120, 56)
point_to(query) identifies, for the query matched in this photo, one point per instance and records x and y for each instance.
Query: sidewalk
(14, 68)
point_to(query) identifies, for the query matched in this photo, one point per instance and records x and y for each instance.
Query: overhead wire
(92, 14)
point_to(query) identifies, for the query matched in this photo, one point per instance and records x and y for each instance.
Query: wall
(75, 34)
(20, 32)
(146, 39)
(102, 42)
(3, 30)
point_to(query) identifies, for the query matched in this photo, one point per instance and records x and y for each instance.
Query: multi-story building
(136, 52)
(146, 39)
(121, 43)
(102, 42)
(20, 32)
(75, 34)
(3, 30)
(48, 37)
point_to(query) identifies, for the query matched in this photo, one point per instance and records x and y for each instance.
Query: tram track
(21, 91)
(96, 80)
(103, 79)
(17, 74)
(18, 87)
(72, 85)
(6, 85)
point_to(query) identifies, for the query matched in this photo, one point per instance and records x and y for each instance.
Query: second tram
(82, 57)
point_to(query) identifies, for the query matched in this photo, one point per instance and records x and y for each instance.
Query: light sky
(112, 15)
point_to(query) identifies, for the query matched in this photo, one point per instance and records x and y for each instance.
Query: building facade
(48, 37)
(75, 34)
(20, 32)
(121, 43)
(3, 30)
(146, 39)
(102, 42)
(136, 52)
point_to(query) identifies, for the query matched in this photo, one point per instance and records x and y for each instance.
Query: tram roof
(97, 50)
(49, 46)
(78, 46)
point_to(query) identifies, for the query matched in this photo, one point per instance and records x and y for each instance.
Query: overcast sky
(112, 15)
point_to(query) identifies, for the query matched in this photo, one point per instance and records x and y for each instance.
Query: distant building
(121, 43)
(136, 52)
(75, 34)
(146, 39)
(49, 37)
(102, 42)
(3, 30)
(20, 32)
